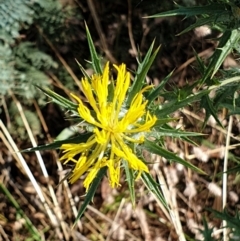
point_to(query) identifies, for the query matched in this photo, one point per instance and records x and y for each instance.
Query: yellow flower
(114, 127)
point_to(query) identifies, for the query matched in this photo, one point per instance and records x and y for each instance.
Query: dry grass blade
(221, 130)
(130, 32)
(109, 220)
(3, 234)
(61, 59)
(114, 227)
(60, 168)
(225, 175)
(206, 53)
(37, 188)
(57, 209)
(170, 197)
(143, 223)
(103, 40)
(9, 147)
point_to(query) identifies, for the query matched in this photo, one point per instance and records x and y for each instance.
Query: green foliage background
(26, 59)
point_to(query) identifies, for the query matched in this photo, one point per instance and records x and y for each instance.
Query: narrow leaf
(154, 148)
(207, 104)
(91, 192)
(198, 23)
(153, 187)
(59, 100)
(84, 72)
(207, 232)
(174, 105)
(232, 222)
(131, 181)
(56, 144)
(163, 121)
(142, 70)
(167, 130)
(155, 92)
(94, 56)
(225, 46)
(175, 133)
(214, 8)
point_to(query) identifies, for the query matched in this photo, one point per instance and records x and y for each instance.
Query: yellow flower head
(114, 127)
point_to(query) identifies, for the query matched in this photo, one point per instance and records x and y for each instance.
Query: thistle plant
(113, 125)
(118, 119)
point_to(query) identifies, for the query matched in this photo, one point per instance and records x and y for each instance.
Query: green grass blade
(95, 61)
(31, 228)
(153, 148)
(91, 192)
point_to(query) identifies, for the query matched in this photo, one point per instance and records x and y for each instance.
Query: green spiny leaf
(153, 187)
(56, 144)
(174, 105)
(199, 22)
(207, 104)
(201, 65)
(163, 121)
(84, 71)
(225, 46)
(91, 192)
(59, 100)
(130, 180)
(142, 70)
(155, 92)
(154, 148)
(175, 132)
(94, 56)
(213, 9)
(166, 130)
(232, 222)
(207, 232)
